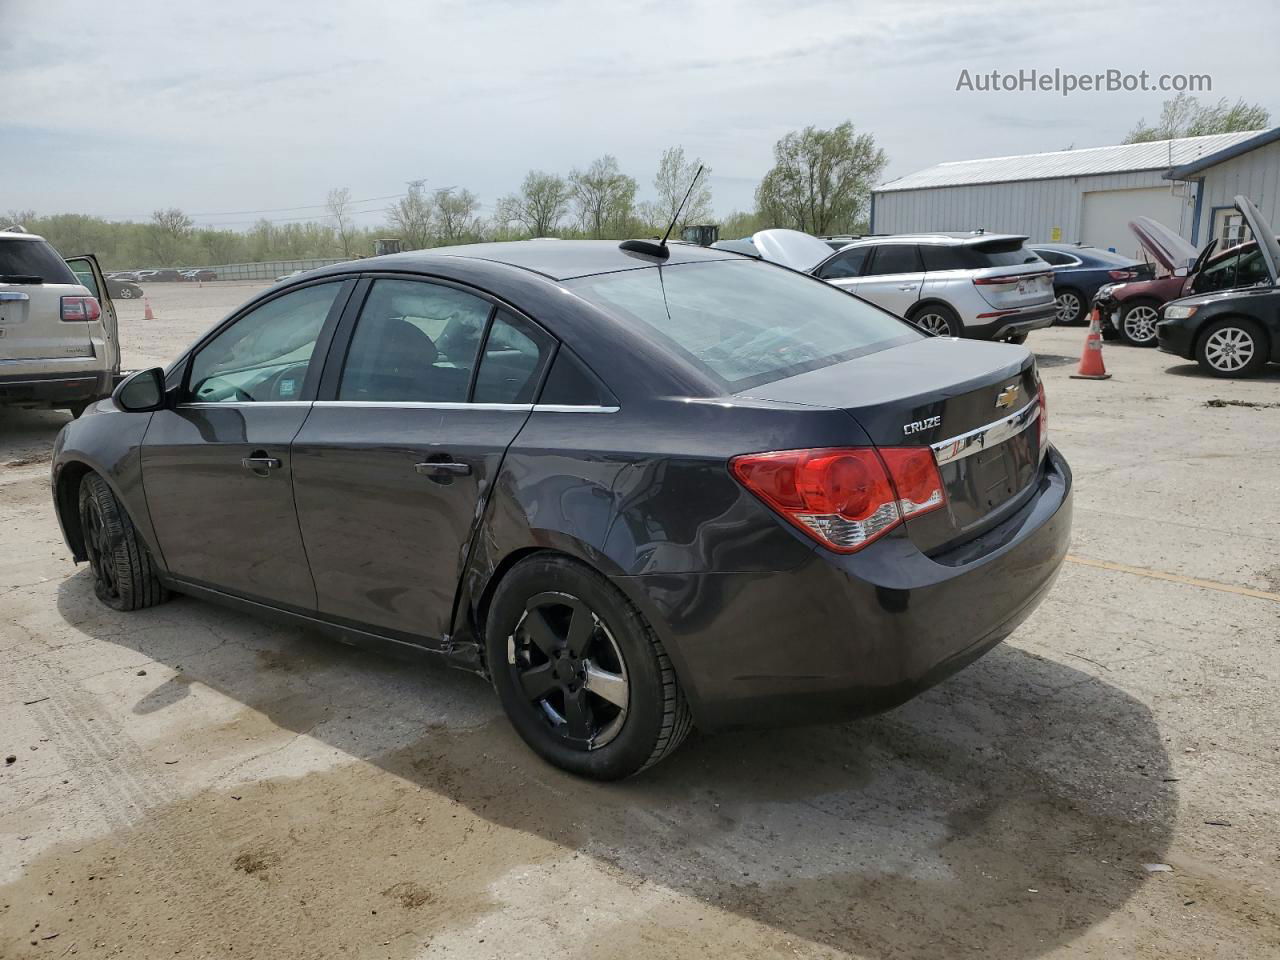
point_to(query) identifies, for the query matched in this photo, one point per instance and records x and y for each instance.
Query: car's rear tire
(1018, 339)
(124, 293)
(124, 575)
(1233, 347)
(580, 673)
(1138, 323)
(75, 409)
(1070, 304)
(937, 320)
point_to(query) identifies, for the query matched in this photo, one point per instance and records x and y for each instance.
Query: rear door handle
(261, 463)
(433, 469)
(908, 286)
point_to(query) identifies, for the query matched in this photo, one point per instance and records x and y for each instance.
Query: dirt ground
(188, 781)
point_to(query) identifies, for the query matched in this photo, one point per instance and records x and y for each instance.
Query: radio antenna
(659, 249)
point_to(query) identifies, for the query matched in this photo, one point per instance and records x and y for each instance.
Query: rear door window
(415, 342)
(938, 257)
(32, 261)
(895, 258)
(515, 354)
(745, 323)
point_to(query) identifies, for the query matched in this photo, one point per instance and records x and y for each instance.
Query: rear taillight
(80, 308)
(1121, 274)
(1006, 279)
(1044, 417)
(844, 497)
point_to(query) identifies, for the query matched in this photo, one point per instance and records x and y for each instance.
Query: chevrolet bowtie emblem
(1007, 396)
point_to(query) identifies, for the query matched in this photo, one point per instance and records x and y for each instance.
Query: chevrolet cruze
(639, 487)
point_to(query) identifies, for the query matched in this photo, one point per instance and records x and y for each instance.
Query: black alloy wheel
(570, 669)
(580, 672)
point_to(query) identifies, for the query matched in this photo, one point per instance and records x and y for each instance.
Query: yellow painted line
(1176, 578)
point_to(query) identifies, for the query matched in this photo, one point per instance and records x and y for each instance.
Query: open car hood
(1164, 246)
(791, 248)
(1262, 233)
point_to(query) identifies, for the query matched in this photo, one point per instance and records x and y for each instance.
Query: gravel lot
(189, 781)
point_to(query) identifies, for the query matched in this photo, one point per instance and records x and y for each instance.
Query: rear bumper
(1012, 324)
(842, 637)
(54, 389)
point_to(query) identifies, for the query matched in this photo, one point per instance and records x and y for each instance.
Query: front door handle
(434, 469)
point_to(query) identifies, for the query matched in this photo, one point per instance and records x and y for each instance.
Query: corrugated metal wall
(1256, 174)
(1031, 207)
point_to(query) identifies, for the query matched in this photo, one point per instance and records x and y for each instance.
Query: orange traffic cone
(1091, 365)
(147, 314)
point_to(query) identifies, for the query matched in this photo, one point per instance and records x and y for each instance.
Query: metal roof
(1123, 158)
(1226, 153)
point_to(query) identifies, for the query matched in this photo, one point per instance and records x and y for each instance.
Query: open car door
(89, 273)
(1263, 234)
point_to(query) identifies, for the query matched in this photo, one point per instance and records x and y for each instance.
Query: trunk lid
(974, 402)
(1008, 274)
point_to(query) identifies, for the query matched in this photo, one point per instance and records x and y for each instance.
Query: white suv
(59, 342)
(986, 286)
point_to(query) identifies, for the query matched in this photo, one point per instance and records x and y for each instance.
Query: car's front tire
(1137, 323)
(580, 673)
(124, 575)
(937, 320)
(1233, 347)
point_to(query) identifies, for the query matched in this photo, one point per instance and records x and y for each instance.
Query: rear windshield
(993, 253)
(744, 322)
(32, 261)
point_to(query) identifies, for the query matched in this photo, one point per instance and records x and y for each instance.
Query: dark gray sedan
(639, 490)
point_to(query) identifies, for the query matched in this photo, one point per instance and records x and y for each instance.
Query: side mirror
(141, 392)
(1181, 271)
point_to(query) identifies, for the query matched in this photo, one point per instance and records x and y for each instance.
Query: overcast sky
(222, 107)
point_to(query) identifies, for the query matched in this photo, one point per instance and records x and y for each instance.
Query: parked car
(158, 276)
(1131, 310)
(718, 493)
(984, 286)
(122, 289)
(58, 333)
(1078, 272)
(200, 274)
(1231, 332)
(130, 275)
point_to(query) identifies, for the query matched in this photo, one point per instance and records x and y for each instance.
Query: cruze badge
(1008, 395)
(915, 426)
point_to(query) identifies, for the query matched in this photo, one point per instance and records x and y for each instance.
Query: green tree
(411, 217)
(543, 201)
(603, 197)
(455, 214)
(821, 180)
(166, 235)
(675, 174)
(1185, 116)
(339, 206)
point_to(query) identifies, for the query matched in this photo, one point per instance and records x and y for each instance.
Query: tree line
(820, 182)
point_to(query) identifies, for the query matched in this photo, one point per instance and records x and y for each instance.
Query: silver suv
(59, 343)
(985, 286)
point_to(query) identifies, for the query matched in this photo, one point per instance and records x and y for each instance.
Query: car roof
(941, 237)
(555, 259)
(14, 235)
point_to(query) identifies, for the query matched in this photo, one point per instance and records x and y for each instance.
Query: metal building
(1090, 195)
